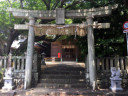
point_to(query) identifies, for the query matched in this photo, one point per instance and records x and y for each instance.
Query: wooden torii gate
(60, 14)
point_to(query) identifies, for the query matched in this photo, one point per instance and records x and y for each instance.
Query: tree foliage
(108, 42)
(112, 41)
(7, 33)
(7, 21)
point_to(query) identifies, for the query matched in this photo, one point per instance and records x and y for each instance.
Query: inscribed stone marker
(60, 16)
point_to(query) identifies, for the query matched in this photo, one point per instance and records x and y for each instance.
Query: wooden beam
(82, 13)
(95, 25)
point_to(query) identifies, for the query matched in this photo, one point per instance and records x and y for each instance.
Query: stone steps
(64, 72)
(70, 94)
(62, 81)
(60, 76)
(55, 85)
(67, 69)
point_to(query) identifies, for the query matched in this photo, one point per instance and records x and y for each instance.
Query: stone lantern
(8, 79)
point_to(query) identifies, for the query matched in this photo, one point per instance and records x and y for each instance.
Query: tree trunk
(12, 36)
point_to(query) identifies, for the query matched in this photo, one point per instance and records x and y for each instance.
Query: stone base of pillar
(116, 89)
(87, 76)
(116, 84)
(8, 79)
(87, 79)
(8, 82)
(8, 88)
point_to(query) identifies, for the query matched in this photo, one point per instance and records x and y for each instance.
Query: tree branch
(46, 4)
(73, 4)
(2, 49)
(126, 3)
(49, 2)
(62, 3)
(21, 4)
(12, 36)
(9, 3)
(55, 4)
(78, 2)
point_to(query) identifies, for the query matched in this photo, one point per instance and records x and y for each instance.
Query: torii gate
(60, 14)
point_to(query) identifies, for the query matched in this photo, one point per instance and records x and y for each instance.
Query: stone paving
(62, 92)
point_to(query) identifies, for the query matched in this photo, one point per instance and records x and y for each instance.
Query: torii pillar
(91, 52)
(29, 57)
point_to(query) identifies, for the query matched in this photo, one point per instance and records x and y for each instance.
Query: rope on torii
(53, 29)
(60, 30)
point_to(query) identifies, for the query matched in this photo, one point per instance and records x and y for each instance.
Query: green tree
(110, 41)
(7, 21)
(7, 33)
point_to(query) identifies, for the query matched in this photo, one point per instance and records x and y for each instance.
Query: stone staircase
(62, 76)
(64, 80)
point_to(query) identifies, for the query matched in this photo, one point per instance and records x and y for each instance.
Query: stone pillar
(29, 57)
(91, 52)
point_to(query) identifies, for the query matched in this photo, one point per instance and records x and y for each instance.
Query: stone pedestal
(8, 84)
(8, 79)
(116, 84)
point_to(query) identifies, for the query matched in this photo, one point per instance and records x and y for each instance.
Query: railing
(18, 63)
(3, 61)
(107, 62)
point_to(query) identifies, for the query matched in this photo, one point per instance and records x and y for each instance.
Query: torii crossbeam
(52, 14)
